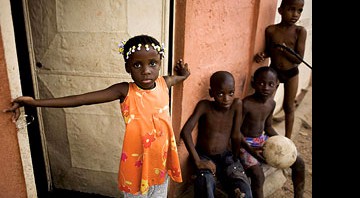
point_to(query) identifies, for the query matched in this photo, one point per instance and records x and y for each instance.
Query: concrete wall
(212, 36)
(12, 179)
(216, 36)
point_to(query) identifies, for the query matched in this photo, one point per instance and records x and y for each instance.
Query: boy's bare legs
(257, 177)
(290, 90)
(298, 177)
(298, 168)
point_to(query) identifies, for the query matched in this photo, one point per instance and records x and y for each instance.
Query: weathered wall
(212, 36)
(12, 183)
(216, 36)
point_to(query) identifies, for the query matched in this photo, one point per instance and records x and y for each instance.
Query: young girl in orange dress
(149, 155)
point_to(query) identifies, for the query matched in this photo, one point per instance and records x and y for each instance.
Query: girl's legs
(154, 191)
(290, 90)
(159, 190)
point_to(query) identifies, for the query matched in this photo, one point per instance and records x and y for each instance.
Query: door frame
(39, 159)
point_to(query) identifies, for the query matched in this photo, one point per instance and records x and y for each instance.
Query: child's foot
(239, 194)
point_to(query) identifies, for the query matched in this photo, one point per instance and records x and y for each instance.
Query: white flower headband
(132, 49)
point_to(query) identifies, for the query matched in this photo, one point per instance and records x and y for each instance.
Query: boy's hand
(16, 104)
(207, 164)
(182, 69)
(259, 155)
(259, 57)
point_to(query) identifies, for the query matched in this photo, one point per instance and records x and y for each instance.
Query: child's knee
(257, 175)
(289, 108)
(204, 177)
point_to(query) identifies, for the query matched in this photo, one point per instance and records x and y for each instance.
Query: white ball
(279, 151)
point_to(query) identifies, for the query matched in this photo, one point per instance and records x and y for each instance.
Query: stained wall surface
(12, 180)
(217, 36)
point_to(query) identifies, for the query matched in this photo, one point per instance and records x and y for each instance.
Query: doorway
(76, 151)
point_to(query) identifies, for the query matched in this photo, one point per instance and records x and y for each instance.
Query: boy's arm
(261, 56)
(301, 41)
(236, 135)
(268, 41)
(251, 150)
(268, 128)
(182, 72)
(244, 144)
(187, 129)
(237, 138)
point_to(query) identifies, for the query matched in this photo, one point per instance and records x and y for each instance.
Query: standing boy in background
(277, 37)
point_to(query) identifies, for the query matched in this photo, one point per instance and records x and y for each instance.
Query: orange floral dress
(149, 148)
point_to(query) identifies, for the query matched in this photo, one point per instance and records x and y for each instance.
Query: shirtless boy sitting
(256, 127)
(218, 127)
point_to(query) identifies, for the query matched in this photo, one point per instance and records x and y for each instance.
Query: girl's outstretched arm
(114, 92)
(182, 72)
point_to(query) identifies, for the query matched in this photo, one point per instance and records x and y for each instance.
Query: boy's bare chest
(257, 110)
(289, 37)
(217, 119)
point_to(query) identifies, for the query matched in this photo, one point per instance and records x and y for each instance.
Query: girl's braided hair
(140, 39)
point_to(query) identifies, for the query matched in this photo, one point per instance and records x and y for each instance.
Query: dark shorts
(230, 173)
(285, 75)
